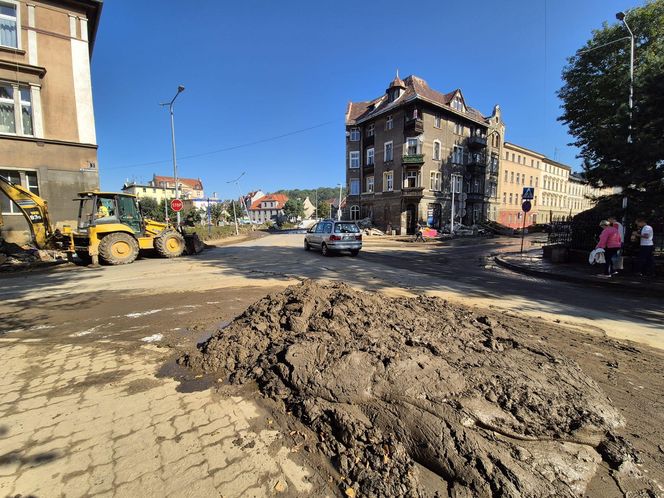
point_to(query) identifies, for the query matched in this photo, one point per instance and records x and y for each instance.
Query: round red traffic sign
(177, 205)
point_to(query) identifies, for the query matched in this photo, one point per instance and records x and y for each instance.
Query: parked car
(332, 235)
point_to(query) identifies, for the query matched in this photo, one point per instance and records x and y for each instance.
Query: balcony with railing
(477, 141)
(413, 125)
(412, 152)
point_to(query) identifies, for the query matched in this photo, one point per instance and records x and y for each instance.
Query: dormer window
(395, 94)
(457, 103)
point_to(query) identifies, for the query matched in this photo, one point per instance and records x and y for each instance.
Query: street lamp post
(339, 208)
(621, 17)
(175, 164)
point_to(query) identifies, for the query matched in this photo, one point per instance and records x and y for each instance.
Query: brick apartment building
(47, 126)
(403, 147)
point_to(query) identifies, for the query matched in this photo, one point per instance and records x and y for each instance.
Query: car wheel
(355, 252)
(324, 250)
(307, 247)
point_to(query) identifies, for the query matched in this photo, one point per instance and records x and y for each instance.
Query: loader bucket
(193, 243)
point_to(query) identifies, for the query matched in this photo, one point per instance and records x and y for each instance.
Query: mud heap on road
(413, 395)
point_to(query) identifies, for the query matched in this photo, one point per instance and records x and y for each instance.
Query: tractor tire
(118, 248)
(169, 244)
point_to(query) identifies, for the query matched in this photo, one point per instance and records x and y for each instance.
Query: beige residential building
(583, 196)
(519, 168)
(163, 187)
(555, 201)
(48, 141)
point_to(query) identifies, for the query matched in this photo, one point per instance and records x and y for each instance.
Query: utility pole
(175, 164)
(339, 208)
(237, 231)
(316, 206)
(246, 209)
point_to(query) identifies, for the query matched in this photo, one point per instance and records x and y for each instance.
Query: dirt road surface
(91, 403)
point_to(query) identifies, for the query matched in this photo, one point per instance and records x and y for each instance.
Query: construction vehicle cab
(111, 228)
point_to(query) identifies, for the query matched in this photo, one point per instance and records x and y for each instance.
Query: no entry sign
(177, 205)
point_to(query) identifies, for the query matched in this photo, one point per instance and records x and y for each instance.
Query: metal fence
(584, 235)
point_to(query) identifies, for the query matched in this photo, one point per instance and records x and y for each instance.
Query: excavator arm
(34, 210)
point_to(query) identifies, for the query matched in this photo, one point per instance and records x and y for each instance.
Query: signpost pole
(209, 218)
(523, 230)
(453, 186)
(237, 231)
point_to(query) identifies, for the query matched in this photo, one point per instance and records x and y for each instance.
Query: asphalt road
(459, 270)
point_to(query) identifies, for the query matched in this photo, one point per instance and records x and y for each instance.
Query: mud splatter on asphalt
(416, 396)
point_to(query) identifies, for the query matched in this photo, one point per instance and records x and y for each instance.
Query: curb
(577, 280)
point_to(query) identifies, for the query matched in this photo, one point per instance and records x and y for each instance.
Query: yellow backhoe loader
(110, 227)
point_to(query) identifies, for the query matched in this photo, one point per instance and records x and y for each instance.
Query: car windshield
(346, 228)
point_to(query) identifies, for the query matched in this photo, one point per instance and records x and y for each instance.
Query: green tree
(323, 209)
(218, 213)
(193, 216)
(151, 209)
(595, 106)
(294, 208)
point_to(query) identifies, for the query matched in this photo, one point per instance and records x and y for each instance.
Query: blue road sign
(526, 206)
(528, 193)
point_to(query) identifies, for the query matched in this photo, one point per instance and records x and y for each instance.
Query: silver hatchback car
(333, 235)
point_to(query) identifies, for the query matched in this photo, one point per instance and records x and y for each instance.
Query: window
(504, 198)
(412, 146)
(27, 179)
(7, 114)
(355, 187)
(354, 215)
(532, 163)
(535, 201)
(493, 192)
(436, 121)
(512, 177)
(436, 150)
(458, 129)
(518, 178)
(354, 134)
(507, 156)
(26, 110)
(435, 181)
(8, 25)
(355, 159)
(388, 181)
(410, 179)
(370, 156)
(457, 156)
(370, 184)
(370, 130)
(510, 198)
(389, 152)
(389, 123)
(457, 103)
(531, 181)
(506, 175)
(513, 157)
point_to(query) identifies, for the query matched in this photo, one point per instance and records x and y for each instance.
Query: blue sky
(255, 70)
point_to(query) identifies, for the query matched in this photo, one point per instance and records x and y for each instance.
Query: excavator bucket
(193, 243)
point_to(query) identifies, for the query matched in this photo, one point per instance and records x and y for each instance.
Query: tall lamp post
(339, 208)
(175, 163)
(621, 17)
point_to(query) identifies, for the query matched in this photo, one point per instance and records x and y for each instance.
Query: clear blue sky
(259, 69)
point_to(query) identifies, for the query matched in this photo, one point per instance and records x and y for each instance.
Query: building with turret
(402, 149)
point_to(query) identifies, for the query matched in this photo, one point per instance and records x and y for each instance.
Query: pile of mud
(416, 396)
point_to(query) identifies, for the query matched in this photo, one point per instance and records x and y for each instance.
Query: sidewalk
(532, 263)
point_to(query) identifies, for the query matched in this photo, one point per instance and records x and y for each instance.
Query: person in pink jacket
(611, 242)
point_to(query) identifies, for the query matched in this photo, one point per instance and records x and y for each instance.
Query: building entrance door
(411, 219)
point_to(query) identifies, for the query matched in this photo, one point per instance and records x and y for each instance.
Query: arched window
(354, 212)
(436, 149)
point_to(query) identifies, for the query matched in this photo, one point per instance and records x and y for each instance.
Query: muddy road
(147, 313)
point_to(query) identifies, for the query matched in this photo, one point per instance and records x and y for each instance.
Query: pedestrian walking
(645, 236)
(610, 241)
(618, 258)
